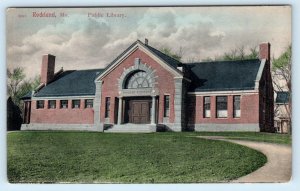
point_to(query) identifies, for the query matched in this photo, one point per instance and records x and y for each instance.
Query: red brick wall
(62, 116)
(249, 105)
(165, 85)
(264, 51)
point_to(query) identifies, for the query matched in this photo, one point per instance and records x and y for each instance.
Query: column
(97, 103)
(178, 101)
(153, 110)
(120, 111)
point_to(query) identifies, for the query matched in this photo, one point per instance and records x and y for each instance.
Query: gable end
(138, 45)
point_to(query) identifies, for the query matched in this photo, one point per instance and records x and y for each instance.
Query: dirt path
(279, 165)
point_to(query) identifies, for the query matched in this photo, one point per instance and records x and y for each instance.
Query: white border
(294, 184)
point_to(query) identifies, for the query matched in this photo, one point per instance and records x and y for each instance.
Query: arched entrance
(137, 95)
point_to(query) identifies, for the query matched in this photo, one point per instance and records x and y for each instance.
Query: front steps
(131, 128)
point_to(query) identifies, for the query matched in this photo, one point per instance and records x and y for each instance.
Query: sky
(86, 38)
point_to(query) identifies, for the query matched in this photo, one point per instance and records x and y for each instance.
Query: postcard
(194, 94)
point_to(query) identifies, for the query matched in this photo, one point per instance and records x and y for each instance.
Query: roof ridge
(221, 61)
(90, 69)
(81, 70)
(163, 53)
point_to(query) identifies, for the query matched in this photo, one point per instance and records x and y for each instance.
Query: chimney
(146, 41)
(48, 66)
(264, 51)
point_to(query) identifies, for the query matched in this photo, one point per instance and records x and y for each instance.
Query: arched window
(138, 79)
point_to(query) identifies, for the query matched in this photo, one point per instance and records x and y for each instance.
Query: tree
(18, 86)
(168, 51)
(15, 77)
(239, 54)
(281, 72)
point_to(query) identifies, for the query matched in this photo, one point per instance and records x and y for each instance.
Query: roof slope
(27, 96)
(71, 83)
(169, 60)
(224, 75)
(282, 97)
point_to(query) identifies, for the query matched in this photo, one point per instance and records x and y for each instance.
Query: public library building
(144, 90)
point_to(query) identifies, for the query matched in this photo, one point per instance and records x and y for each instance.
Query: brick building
(282, 112)
(145, 90)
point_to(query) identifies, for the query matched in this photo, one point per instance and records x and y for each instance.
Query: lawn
(251, 136)
(49, 157)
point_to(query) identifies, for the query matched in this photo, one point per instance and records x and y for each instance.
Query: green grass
(125, 158)
(251, 136)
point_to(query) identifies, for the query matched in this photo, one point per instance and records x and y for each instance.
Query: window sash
(222, 113)
(222, 107)
(76, 104)
(40, 104)
(207, 114)
(51, 104)
(237, 113)
(236, 106)
(64, 104)
(89, 103)
(166, 106)
(107, 107)
(207, 107)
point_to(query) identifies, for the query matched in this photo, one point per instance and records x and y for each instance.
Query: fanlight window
(139, 79)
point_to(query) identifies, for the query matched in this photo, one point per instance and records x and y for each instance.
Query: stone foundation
(63, 127)
(131, 128)
(253, 127)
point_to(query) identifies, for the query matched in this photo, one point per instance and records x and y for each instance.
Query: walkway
(277, 169)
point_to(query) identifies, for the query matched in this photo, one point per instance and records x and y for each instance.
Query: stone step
(131, 128)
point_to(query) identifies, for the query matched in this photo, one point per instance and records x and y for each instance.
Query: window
(236, 106)
(88, 103)
(221, 106)
(139, 79)
(76, 103)
(207, 107)
(40, 104)
(107, 106)
(51, 104)
(64, 104)
(167, 106)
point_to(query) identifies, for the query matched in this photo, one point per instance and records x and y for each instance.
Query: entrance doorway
(140, 112)
(137, 110)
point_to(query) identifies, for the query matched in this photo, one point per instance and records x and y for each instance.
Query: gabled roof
(282, 97)
(205, 76)
(81, 82)
(224, 75)
(71, 83)
(167, 60)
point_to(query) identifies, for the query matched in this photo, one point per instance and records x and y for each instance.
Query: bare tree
(176, 55)
(15, 78)
(18, 86)
(282, 79)
(239, 53)
(282, 70)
